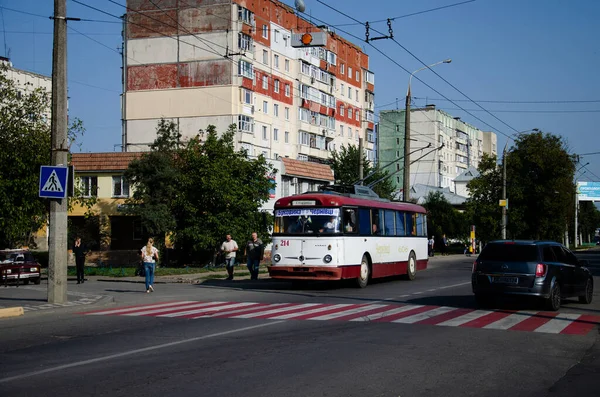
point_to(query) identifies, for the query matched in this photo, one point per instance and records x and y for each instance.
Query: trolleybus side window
(400, 224)
(421, 226)
(377, 222)
(349, 221)
(364, 221)
(390, 228)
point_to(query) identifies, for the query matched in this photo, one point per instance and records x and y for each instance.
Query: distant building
(463, 146)
(461, 181)
(26, 81)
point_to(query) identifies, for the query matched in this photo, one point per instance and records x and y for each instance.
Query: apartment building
(434, 165)
(26, 81)
(226, 62)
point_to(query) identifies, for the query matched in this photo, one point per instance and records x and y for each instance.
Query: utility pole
(576, 220)
(504, 214)
(57, 246)
(361, 166)
(406, 178)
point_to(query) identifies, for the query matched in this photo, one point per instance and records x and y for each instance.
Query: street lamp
(406, 187)
(504, 201)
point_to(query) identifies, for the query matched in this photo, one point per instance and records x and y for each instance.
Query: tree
(443, 218)
(221, 192)
(589, 220)
(25, 137)
(482, 207)
(155, 178)
(345, 168)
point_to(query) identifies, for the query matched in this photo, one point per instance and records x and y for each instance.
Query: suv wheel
(589, 292)
(554, 299)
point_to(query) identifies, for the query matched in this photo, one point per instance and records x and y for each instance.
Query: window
(265, 32)
(349, 113)
(287, 113)
(370, 116)
(349, 92)
(341, 110)
(276, 110)
(341, 130)
(248, 148)
(275, 135)
(287, 90)
(356, 95)
(287, 65)
(286, 136)
(369, 77)
(342, 88)
(89, 186)
(349, 72)
(245, 69)
(356, 115)
(265, 82)
(246, 124)
(390, 228)
(120, 187)
(264, 133)
(357, 76)
(276, 61)
(246, 96)
(349, 132)
(276, 86)
(349, 221)
(266, 107)
(421, 225)
(364, 221)
(245, 15)
(244, 42)
(342, 68)
(400, 224)
(397, 141)
(276, 36)
(265, 57)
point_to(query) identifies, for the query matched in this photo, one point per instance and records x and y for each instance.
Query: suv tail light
(540, 270)
(474, 267)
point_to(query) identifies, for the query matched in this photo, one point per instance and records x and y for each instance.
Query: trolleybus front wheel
(365, 273)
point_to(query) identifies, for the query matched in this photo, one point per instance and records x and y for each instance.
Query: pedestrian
(149, 258)
(229, 248)
(430, 244)
(444, 245)
(79, 251)
(254, 253)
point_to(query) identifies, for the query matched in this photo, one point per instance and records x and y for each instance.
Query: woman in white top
(149, 258)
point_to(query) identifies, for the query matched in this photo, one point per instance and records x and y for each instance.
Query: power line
(589, 154)
(48, 33)
(591, 172)
(408, 15)
(527, 111)
(515, 102)
(49, 17)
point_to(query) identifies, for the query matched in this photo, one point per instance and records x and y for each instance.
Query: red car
(19, 265)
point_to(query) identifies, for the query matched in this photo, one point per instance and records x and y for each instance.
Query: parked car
(544, 269)
(19, 266)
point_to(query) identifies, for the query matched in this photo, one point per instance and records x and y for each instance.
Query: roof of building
(467, 175)
(420, 192)
(306, 169)
(103, 162)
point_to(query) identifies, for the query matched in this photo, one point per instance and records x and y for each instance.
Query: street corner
(9, 312)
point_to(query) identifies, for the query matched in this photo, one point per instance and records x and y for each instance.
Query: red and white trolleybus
(335, 236)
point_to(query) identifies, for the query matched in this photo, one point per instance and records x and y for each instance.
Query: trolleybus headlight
(329, 247)
(327, 258)
(276, 257)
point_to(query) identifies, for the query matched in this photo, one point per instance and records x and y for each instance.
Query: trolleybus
(333, 236)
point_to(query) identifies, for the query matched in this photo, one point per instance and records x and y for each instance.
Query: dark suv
(543, 269)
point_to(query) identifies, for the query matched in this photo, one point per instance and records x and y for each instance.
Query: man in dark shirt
(79, 252)
(254, 253)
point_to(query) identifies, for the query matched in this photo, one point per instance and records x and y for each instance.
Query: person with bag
(254, 253)
(149, 258)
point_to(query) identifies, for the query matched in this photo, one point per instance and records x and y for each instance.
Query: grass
(118, 271)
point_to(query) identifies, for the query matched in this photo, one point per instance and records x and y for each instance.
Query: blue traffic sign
(53, 181)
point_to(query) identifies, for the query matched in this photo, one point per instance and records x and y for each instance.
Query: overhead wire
(513, 101)
(50, 17)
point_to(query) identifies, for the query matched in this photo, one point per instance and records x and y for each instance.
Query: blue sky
(509, 51)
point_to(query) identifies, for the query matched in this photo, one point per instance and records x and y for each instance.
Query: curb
(11, 312)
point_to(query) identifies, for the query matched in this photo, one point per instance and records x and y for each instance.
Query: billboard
(588, 191)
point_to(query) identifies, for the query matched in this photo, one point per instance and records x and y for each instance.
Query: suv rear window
(509, 253)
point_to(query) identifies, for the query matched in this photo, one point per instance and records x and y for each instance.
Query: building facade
(26, 81)
(224, 62)
(434, 165)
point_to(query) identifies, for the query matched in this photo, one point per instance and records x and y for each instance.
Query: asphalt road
(132, 352)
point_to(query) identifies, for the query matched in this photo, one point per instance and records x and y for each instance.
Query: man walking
(254, 253)
(431, 243)
(79, 252)
(229, 249)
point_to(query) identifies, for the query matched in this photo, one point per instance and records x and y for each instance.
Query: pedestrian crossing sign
(53, 181)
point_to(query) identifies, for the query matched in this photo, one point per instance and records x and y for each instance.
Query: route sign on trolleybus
(334, 236)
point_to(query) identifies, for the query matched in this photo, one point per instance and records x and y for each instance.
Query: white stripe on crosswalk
(343, 313)
(178, 308)
(256, 306)
(510, 321)
(209, 309)
(425, 315)
(312, 311)
(465, 318)
(557, 324)
(132, 309)
(387, 313)
(275, 311)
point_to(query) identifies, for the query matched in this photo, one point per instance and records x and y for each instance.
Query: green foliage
(345, 168)
(540, 190)
(199, 191)
(443, 218)
(482, 207)
(588, 219)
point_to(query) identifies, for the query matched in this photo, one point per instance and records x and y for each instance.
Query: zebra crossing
(513, 320)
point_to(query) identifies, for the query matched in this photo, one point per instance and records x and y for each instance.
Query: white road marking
(132, 352)
(455, 322)
(557, 324)
(425, 315)
(346, 312)
(274, 311)
(206, 309)
(164, 309)
(132, 309)
(312, 311)
(245, 309)
(387, 313)
(510, 321)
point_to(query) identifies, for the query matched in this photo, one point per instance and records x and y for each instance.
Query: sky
(529, 63)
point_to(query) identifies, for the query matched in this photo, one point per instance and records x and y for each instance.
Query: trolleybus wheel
(365, 273)
(411, 271)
